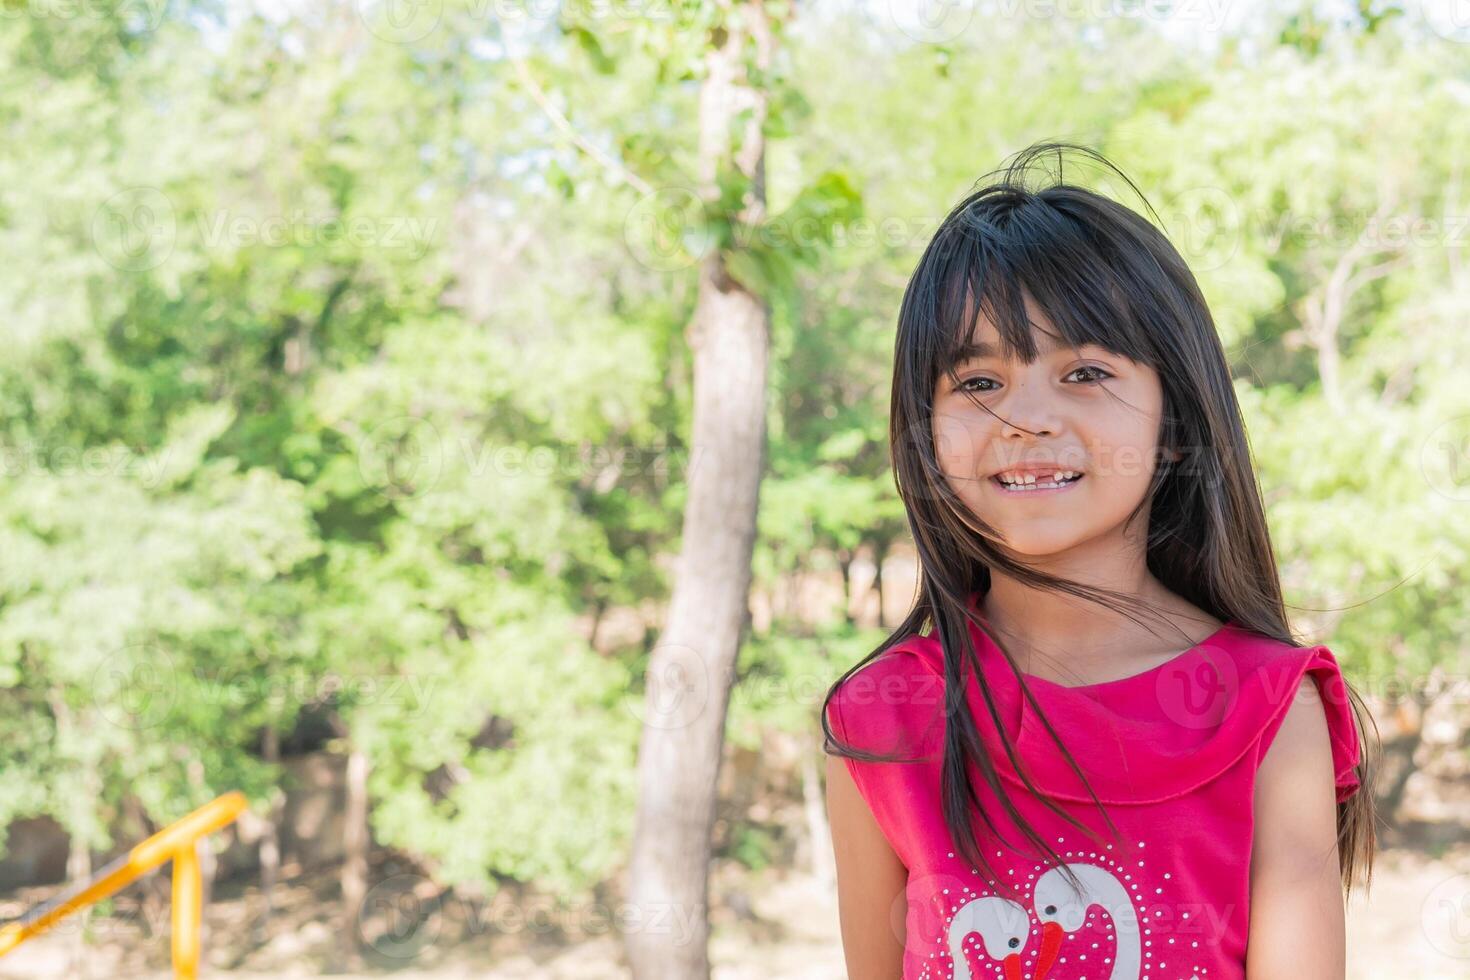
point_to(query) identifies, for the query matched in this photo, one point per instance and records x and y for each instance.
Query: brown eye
(1099, 373)
(964, 385)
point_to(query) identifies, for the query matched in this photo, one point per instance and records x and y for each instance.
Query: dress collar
(1144, 738)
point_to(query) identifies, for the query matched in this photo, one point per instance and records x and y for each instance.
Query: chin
(1040, 550)
(1042, 543)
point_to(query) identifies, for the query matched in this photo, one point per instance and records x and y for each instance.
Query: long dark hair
(1104, 275)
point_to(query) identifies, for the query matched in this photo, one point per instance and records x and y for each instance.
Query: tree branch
(560, 121)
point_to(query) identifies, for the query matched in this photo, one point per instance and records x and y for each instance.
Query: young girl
(1093, 750)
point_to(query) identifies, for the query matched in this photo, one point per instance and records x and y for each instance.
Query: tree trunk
(270, 837)
(692, 666)
(83, 814)
(814, 802)
(78, 870)
(880, 555)
(354, 864)
(205, 857)
(1325, 308)
(845, 559)
(208, 869)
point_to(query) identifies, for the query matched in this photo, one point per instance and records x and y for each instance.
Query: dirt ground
(773, 925)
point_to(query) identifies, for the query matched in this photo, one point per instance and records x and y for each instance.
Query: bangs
(991, 254)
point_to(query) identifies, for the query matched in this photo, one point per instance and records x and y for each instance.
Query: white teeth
(1029, 480)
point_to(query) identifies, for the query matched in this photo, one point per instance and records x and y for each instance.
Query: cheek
(957, 442)
(1125, 450)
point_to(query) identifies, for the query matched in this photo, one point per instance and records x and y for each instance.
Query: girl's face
(1087, 411)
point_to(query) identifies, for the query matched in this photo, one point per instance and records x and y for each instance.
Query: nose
(1029, 410)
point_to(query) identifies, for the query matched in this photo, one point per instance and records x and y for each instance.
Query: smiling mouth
(1037, 486)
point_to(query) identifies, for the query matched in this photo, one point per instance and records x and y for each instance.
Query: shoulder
(1294, 807)
(1295, 887)
(1302, 746)
(1308, 727)
(897, 692)
(891, 707)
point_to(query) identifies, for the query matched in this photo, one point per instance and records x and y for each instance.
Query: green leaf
(589, 44)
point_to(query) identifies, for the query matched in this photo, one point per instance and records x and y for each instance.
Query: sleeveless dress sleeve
(892, 706)
(1331, 693)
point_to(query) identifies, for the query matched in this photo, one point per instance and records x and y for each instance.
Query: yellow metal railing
(177, 842)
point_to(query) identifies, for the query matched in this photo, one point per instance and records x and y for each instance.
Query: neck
(1059, 634)
(1026, 619)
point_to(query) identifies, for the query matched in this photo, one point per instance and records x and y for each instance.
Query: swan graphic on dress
(1062, 909)
(1005, 927)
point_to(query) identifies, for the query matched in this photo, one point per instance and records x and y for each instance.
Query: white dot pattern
(1097, 936)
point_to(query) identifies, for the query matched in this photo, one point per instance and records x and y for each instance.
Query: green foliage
(754, 847)
(337, 384)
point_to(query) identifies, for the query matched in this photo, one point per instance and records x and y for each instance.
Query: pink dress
(1172, 752)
